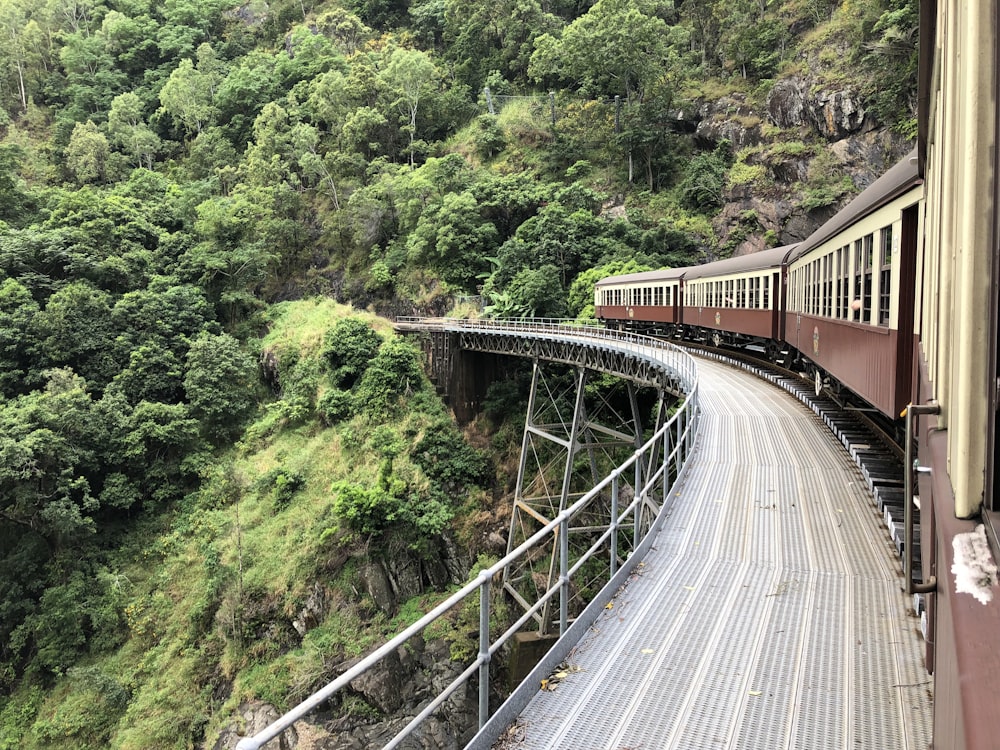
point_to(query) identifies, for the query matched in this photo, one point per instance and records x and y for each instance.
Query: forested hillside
(221, 475)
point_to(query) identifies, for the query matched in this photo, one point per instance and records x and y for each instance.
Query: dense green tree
(188, 97)
(156, 446)
(343, 27)
(17, 313)
(211, 154)
(891, 58)
(704, 178)
(231, 261)
(20, 38)
(619, 47)
(166, 312)
(129, 131)
(131, 37)
(74, 330)
(751, 41)
(220, 384)
(380, 14)
(453, 239)
(532, 293)
(309, 53)
(105, 237)
(704, 23)
(14, 201)
(87, 154)
(410, 76)
(153, 373)
(497, 36)
(49, 454)
(250, 83)
(508, 200)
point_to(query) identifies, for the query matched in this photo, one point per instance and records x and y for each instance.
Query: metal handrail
(910, 465)
(680, 431)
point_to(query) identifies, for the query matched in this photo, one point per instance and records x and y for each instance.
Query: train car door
(777, 307)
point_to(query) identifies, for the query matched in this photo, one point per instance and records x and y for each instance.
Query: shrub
(490, 139)
(364, 510)
(394, 372)
(348, 348)
(335, 406)
(281, 484)
(445, 456)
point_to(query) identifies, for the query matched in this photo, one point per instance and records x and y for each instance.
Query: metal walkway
(768, 615)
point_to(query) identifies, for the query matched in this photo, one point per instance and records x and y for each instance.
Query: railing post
(563, 576)
(614, 525)
(484, 648)
(679, 458)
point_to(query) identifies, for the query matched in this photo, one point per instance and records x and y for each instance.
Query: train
(893, 303)
(832, 306)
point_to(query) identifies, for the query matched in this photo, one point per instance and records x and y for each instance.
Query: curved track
(769, 615)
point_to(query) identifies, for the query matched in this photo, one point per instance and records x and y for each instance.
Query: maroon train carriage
(737, 301)
(850, 299)
(646, 302)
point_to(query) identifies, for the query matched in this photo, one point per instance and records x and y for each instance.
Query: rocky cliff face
(376, 707)
(831, 122)
(380, 703)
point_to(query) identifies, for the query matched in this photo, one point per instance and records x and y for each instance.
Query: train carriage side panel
(741, 295)
(646, 300)
(960, 134)
(844, 290)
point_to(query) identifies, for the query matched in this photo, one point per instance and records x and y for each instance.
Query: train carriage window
(766, 288)
(866, 302)
(811, 293)
(837, 285)
(859, 267)
(828, 285)
(885, 276)
(819, 287)
(810, 287)
(845, 276)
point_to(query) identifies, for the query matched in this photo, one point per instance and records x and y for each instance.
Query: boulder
(255, 716)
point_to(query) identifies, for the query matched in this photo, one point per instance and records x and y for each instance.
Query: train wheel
(818, 381)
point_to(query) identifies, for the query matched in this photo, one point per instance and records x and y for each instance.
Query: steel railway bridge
(714, 576)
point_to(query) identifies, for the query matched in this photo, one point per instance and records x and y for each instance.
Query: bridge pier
(463, 376)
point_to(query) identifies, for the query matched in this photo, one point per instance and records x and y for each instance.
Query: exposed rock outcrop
(392, 693)
(834, 114)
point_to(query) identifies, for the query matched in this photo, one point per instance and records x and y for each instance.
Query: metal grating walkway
(769, 614)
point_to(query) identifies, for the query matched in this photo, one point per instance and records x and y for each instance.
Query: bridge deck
(769, 614)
